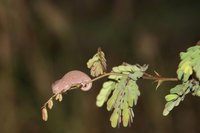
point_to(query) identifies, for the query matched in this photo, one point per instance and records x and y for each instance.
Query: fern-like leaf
(190, 62)
(124, 91)
(97, 64)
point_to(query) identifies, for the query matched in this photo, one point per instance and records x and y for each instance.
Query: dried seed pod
(50, 104)
(71, 78)
(44, 114)
(60, 97)
(57, 96)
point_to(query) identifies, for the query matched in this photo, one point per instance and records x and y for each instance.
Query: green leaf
(122, 68)
(177, 89)
(178, 100)
(111, 103)
(190, 62)
(116, 69)
(198, 92)
(118, 87)
(177, 94)
(114, 118)
(171, 97)
(196, 67)
(125, 117)
(131, 96)
(105, 92)
(97, 64)
(124, 91)
(168, 107)
(180, 74)
(127, 68)
(194, 48)
(115, 77)
(196, 88)
(136, 75)
(186, 68)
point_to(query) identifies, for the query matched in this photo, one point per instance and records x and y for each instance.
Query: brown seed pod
(69, 79)
(44, 114)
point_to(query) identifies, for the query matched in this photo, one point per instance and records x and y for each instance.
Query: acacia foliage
(120, 92)
(189, 74)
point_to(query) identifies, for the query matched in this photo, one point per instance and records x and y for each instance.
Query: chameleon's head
(86, 87)
(77, 76)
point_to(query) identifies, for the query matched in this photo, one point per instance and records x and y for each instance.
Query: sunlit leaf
(177, 94)
(125, 117)
(114, 118)
(171, 97)
(105, 92)
(124, 91)
(97, 64)
(189, 63)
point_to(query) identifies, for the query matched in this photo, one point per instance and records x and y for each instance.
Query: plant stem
(45, 104)
(157, 78)
(106, 74)
(145, 76)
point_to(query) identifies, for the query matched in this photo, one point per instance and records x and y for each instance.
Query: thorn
(159, 83)
(157, 74)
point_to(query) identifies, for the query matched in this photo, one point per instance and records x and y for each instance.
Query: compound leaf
(97, 64)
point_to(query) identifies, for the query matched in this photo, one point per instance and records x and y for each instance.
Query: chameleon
(70, 79)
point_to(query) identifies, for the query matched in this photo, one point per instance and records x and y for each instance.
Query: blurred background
(41, 40)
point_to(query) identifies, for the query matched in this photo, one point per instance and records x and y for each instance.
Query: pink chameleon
(72, 78)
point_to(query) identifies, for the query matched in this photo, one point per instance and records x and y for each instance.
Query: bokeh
(41, 40)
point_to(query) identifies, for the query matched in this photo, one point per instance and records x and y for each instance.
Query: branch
(158, 78)
(104, 75)
(146, 76)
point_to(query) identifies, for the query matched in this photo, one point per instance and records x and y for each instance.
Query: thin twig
(104, 75)
(45, 104)
(146, 76)
(156, 78)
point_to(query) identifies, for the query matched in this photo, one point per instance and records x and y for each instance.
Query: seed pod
(44, 114)
(72, 78)
(50, 104)
(60, 98)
